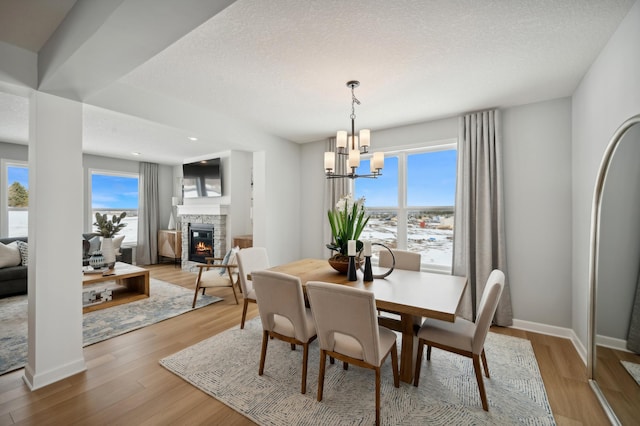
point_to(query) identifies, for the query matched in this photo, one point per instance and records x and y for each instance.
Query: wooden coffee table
(127, 282)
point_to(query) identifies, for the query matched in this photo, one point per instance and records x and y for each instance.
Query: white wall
(240, 190)
(608, 94)
(537, 192)
(537, 164)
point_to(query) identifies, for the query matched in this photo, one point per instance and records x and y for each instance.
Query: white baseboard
(38, 380)
(552, 330)
(612, 342)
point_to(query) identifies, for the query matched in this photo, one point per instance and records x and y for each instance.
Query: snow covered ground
(435, 245)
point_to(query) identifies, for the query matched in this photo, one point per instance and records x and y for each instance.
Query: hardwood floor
(125, 384)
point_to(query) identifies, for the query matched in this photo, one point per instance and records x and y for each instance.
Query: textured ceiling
(280, 66)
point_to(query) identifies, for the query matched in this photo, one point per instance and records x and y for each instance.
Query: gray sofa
(13, 280)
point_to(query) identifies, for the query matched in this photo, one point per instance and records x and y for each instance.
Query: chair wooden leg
(305, 358)
(195, 296)
(377, 395)
(293, 346)
(484, 363)
(332, 360)
(394, 365)
(263, 353)
(345, 365)
(244, 312)
(428, 353)
(416, 377)
(323, 356)
(234, 293)
(483, 393)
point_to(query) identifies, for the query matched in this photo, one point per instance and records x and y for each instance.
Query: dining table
(410, 294)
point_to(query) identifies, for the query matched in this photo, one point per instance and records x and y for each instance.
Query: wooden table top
(120, 271)
(417, 293)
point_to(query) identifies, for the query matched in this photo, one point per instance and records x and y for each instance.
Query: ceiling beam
(101, 41)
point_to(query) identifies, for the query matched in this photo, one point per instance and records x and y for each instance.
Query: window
(17, 199)
(411, 205)
(112, 193)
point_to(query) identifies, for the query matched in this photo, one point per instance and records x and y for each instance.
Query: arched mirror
(614, 323)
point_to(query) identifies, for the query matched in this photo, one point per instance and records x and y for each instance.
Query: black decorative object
(351, 271)
(387, 273)
(368, 272)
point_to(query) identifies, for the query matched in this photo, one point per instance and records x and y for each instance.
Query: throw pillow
(24, 252)
(117, 242)
(229, 259)
(94, 244)
(9, 255)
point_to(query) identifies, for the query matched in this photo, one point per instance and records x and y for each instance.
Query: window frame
(5, 163)
(89, 204)
(402, 208)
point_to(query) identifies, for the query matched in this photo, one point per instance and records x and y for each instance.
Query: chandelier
(349, 148)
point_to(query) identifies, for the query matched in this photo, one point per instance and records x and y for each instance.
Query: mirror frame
(594, 254)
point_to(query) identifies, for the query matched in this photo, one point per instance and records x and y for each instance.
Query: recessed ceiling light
(191, 138)
(135, 153)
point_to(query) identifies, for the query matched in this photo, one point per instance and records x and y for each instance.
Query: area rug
(225, 366)
(633, 369)
(165, 301)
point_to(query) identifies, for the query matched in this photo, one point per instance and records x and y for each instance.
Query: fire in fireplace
(200, 241)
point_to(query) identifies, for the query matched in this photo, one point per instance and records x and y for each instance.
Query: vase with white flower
(347, 222)
(107, 228)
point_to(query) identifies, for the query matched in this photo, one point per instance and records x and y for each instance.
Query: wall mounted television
(202, 179)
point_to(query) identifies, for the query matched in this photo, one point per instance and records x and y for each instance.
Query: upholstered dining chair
(462, 336)
(283, 315)
(250, 259)
(219, 274)
(348, 330)
(406, 260)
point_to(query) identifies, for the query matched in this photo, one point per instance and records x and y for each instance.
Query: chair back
(487, 308)
(346, 320)
(279, 296)
(404, 260)
(251, 259)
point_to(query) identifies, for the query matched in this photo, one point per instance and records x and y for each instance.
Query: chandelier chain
(354, 101)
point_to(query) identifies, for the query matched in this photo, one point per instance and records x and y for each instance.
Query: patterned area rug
(225, 366)
(166, 301)
(633, 369)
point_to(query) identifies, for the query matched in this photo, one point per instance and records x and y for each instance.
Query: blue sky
(109, 192)
(18, 174)
(114, 192)
(431, 181)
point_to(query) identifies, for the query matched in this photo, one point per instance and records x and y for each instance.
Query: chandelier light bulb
(329, 161)
(341, 139)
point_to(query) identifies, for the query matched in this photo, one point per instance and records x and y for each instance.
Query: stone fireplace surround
(219, 222)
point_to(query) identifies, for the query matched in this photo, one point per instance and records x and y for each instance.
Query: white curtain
(334, 189)
(479, 238)
(148, 215)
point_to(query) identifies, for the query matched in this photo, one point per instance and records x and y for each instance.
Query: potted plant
(347, 221)
(107, 228)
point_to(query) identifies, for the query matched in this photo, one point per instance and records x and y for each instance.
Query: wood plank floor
(125, 384)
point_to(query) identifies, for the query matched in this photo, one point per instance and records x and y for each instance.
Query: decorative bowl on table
(340, 263)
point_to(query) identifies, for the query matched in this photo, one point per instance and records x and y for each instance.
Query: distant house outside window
(411, 205)
(17, 200)
(111, 194)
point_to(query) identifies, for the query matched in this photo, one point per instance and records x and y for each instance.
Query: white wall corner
(551, 330)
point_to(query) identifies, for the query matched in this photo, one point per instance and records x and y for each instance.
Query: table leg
(409, 348)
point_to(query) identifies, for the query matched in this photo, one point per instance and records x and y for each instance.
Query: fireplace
(201, 241)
